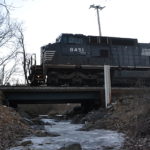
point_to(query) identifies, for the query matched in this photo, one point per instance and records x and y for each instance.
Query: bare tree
(21, 42)
(11, 44)
(6, 25)
(8, 72)
(8, 43)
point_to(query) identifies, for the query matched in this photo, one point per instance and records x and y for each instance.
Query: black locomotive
(78, 60)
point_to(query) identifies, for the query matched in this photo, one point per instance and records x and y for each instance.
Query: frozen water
(69, 133)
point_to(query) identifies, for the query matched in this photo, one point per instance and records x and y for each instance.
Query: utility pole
(98, 7)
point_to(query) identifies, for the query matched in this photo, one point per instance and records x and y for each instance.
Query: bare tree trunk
(3, 70)
(22, 45)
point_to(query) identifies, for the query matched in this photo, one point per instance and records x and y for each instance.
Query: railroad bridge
(56, 95)
(51, 95)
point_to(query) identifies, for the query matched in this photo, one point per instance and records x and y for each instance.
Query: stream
(70, 133)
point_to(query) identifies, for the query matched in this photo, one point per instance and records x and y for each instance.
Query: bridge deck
(31, 95)
(47, 89)
(26, 95)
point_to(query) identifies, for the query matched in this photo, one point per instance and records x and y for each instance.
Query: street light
(98, 7)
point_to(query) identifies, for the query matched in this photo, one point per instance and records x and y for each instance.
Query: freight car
(78, 60)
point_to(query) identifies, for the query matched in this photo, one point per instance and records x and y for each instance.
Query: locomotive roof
(90, 39)
(82, 35)
(112, 40)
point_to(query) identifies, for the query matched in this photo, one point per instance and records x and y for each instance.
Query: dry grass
(11, 127)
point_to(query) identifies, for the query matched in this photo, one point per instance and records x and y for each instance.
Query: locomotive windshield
(61, 39)
(70, 39)
(75, 40)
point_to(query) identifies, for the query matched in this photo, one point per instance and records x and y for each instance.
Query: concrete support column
(107, 82)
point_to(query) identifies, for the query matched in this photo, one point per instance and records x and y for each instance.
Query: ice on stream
(69, 133)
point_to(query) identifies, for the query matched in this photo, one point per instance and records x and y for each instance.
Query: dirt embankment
(128, 114)
(11, 127)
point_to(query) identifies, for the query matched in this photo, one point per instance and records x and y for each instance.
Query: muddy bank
(12, 127)
(128, 114)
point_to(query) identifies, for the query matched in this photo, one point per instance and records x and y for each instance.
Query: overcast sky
(44, 20)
